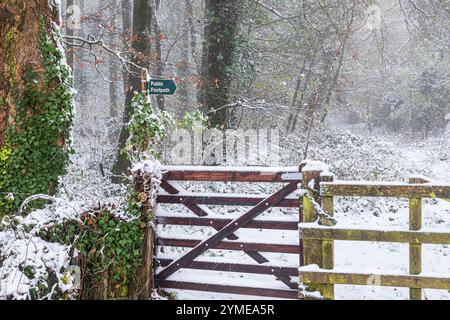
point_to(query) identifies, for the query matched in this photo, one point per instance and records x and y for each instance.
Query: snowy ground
(26, 260)
(350, 157)
(398, 160)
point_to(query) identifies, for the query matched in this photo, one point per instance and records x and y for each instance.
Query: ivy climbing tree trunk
(219, 46)
(35, 101)
(141, 56)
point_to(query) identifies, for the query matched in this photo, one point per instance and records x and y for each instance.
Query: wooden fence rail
(406, 281)
(319, 240)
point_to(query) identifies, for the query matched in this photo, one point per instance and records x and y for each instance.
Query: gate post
(312, 253)
(144, 183)
(328, 245)
(415, 249)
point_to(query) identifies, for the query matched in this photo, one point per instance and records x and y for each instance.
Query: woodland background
(380, 65)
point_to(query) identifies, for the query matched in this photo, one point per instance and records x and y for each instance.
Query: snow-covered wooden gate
(227, 234)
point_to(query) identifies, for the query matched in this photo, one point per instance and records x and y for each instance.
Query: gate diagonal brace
(256, 256)
(287, 281)
(227, 231)
(195, 208)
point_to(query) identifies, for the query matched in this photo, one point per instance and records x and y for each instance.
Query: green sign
(161, 87)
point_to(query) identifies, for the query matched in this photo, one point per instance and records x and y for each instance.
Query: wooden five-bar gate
(224, 238)
(312, 190)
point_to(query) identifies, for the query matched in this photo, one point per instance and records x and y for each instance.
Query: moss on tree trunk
(35, 102)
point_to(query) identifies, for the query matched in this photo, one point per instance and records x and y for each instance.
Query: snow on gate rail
(245, 258)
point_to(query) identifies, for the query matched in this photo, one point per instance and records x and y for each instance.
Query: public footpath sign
(161, 87)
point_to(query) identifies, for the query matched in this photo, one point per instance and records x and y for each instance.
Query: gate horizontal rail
(246, 291)
(221, 223)
(223, 200)
(239, 246)
(232, 174)
(240, 268)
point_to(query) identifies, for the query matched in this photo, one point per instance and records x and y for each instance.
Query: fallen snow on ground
(27, 260)
(350, 157)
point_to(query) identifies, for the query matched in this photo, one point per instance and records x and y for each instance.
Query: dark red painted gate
(224, 238)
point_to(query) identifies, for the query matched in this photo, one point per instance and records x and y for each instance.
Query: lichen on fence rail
(319, 238)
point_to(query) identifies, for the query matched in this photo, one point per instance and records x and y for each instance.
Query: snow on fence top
(365, 183)
(315, 166)
(382, 184)
(420, 177)
(147, 166)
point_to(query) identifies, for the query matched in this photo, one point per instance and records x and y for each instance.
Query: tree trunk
(183, 65)
(193, 32)
(141, 47)
(306, 83)
(160, 64)
(69, 32)
(295, 97)
(126, 35)
(219, 46)
(113, 70)
(35, 101)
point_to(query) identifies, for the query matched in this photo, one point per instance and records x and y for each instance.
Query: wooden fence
(225, 238)
(319, 238)
(318, 230)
